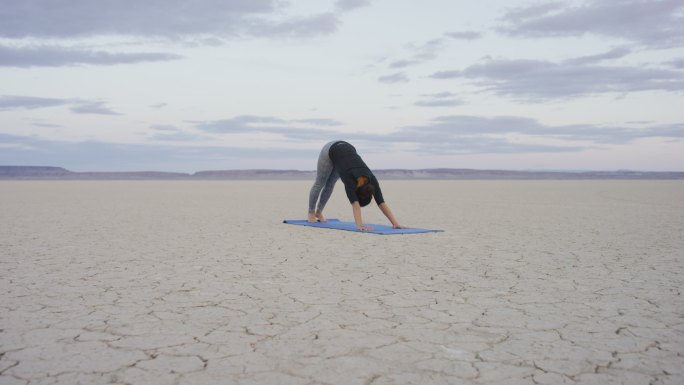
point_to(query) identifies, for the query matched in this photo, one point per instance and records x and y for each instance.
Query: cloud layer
(202, 22)
(290, 129)
(424, 52)
(176, 148)
(17, 102)
(539, 79)
(451, 129)
(654, 23)
(94, 155)
(160, 18)
(457, 134)
(55, 56)
(442, 99)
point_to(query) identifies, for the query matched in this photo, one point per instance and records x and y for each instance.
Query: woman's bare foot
(320, 216)
(312, 218)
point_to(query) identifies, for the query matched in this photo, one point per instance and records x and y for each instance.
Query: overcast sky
(180, 85)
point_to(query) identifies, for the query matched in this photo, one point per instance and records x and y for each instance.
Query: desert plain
(199, 282)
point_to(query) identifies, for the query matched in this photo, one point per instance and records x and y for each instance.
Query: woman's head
(365, 193)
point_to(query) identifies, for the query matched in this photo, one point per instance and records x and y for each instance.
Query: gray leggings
(326, 177)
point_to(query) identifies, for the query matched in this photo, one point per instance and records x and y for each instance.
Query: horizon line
(550, 170)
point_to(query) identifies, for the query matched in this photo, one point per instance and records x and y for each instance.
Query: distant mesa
(59, 173)
(47, 172)
(28, 172)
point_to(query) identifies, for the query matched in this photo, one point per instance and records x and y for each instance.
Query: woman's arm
(356, 207)
(388, 213)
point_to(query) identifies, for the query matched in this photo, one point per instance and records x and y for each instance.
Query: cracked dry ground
(533, 282)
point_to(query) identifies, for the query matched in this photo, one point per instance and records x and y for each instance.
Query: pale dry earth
(190, 282)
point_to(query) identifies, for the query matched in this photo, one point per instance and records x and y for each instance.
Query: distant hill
(58, 173)
(29, 172)
(254, 174)
(44, 172)
(455, 173)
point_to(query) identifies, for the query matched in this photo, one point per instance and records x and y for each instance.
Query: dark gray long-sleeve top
(350, 166)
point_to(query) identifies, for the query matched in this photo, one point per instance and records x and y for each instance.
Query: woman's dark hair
(365, 194)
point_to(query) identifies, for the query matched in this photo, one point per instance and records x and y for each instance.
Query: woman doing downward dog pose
(339, 160)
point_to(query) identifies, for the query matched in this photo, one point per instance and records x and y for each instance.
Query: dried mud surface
(191, 282)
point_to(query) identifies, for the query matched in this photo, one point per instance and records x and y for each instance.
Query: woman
(339, 160)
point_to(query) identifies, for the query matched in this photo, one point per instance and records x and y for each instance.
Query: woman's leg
(327, 192)
(324, 170)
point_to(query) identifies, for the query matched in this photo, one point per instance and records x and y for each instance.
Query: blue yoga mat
(336, 224)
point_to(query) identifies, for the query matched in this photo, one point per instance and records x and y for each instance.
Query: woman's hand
(388, 213)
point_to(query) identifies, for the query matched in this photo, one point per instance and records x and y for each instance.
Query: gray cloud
(54, 56)
(677, 63)
(442, 99)
(159, 18)
(403, 63)
(460, 134)
(427, 50)
(533, 11)
(455, 128)
(650, 22)
(478, 135)
(420, 53)
(290, 129)
(93, 155)
(456, 134)
(447, 74)
(240, 124)
(464, 35)
(47, 125)
(315, 25)
(179, 136)
(95, 108)
(451, 129)
(348, 5)
(81, 18)
(439, 95)
(535, 79)
(615, 53)
(448, 136)
(398, 77)
(15, 102)
(165, 127)
(487, 145)
(319, 122)
(439, 103)
(171, 133)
